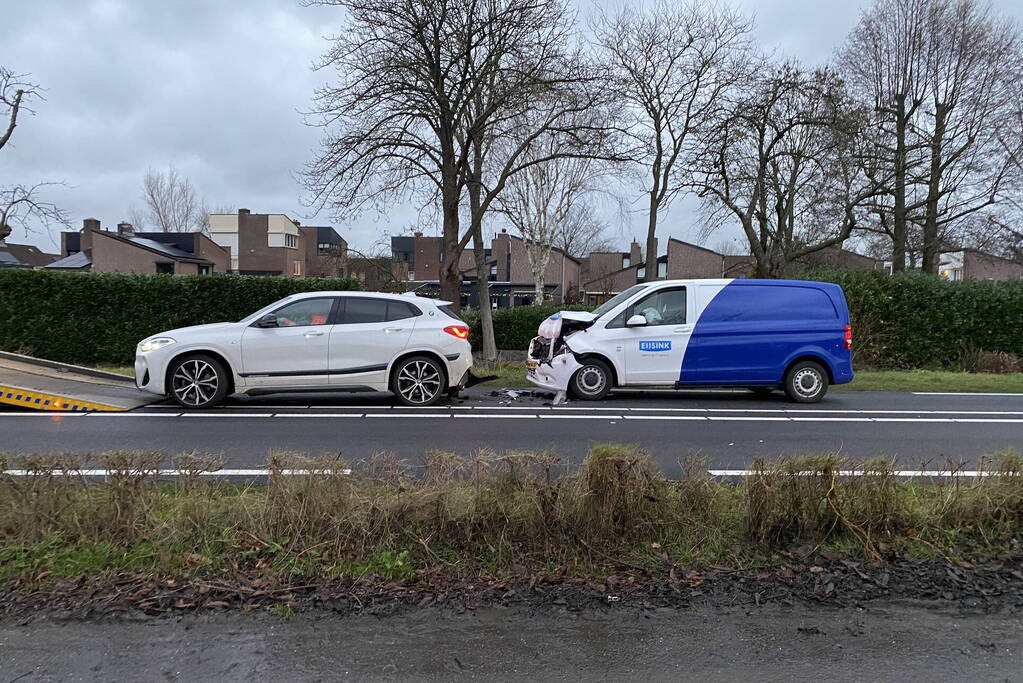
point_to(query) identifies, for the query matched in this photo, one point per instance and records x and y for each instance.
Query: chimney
(635, 253)
(88, 226)
(125, 229)
(243, 212)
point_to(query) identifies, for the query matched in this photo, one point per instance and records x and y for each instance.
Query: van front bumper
(553, 375)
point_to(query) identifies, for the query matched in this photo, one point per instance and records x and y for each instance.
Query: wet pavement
(803, 642)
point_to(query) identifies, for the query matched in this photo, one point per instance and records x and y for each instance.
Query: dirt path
(902, 643)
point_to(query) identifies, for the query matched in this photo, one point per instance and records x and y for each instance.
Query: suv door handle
(389, 330)
(313, 334)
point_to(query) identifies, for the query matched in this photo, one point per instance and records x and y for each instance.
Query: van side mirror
(638, 320)
(268, 320)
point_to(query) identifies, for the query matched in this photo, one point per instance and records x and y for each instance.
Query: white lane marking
(227, 415)
(323, 415)
(860, 473)
(831, 419)
(963, 393)
(744, 418)
(396, 415)
(665, 417)
(517, 416)
(579, 417)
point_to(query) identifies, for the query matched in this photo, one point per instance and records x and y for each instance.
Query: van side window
(664, 307)
(775, 303)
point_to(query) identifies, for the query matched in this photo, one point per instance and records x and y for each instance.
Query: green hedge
(100, 317)
(902, 321)
(913, 320)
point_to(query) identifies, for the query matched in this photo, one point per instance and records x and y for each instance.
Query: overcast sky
(215, 89)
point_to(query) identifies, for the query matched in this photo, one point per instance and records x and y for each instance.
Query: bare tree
(938, 75)
(673, 64)
(21, 205)
(539, 203)
(785, 163)
(171, 204)
(424, 87)
(583, 232)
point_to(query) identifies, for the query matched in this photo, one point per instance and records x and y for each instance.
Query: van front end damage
(550, 361)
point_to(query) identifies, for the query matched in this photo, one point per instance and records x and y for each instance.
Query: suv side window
(399, 310)
(305, 312)
(663, 307)
(362, 310)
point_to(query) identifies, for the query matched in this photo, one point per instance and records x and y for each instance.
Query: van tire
(806, 382)
(592, 382)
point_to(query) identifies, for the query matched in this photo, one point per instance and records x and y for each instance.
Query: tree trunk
(650, 257)
(449, 275)
(488, 345)
(899, 218)
(931, 238)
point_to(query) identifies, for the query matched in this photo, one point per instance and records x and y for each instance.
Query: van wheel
(806, 382)
(198, 382)
(592, 381)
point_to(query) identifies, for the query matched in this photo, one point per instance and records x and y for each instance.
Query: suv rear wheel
(418, 381)
(592, 381)
(198, 381)
(806, 382)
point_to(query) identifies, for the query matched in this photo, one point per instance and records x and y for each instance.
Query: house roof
(28, 254)
(8, 260)
(75, 261)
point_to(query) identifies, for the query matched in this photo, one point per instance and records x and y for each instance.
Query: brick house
(510, 276)
(973, 264)
(273, 244)
(127, 251)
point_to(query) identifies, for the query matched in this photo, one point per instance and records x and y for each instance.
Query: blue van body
(751, 331)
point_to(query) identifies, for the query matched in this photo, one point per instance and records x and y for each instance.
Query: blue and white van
(761, 334)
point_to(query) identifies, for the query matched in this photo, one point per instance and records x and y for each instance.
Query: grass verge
(501, 515)
(514, 375)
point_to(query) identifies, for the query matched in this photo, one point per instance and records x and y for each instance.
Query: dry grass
(485, 511)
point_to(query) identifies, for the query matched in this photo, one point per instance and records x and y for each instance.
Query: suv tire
(418, 381)
(198, 381)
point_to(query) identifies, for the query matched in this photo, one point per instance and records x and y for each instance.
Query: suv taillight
(460, 331)
(848, 337)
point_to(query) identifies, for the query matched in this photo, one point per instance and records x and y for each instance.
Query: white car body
(323, 355)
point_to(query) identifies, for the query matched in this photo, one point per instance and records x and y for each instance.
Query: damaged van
(792, 335)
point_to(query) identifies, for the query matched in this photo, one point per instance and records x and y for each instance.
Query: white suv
(415, 347)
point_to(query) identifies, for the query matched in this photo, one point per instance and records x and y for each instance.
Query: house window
(205, 269)
(626, 261)
(641, 272)
(290, 241)
(298, 268)
(165, 268)
(662, 269)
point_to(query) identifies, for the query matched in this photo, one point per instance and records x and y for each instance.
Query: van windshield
(617, 299)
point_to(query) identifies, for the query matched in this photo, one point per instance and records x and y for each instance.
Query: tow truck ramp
(37, 384)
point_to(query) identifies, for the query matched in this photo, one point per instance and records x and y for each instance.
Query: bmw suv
(412, 346)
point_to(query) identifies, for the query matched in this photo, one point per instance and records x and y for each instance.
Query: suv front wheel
(198, 381)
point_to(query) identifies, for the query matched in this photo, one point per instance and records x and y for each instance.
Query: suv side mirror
(638, 320)
(268, 320)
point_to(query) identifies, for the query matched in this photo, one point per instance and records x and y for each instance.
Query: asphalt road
(728, 428)
(899, 643)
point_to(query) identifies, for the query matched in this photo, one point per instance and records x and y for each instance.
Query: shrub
(100, 317)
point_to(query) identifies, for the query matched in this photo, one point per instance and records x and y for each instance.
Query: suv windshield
(617, 299)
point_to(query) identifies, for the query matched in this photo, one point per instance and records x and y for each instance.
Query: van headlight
(153, 344)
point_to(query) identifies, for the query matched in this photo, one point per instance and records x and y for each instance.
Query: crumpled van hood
(565, 323)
